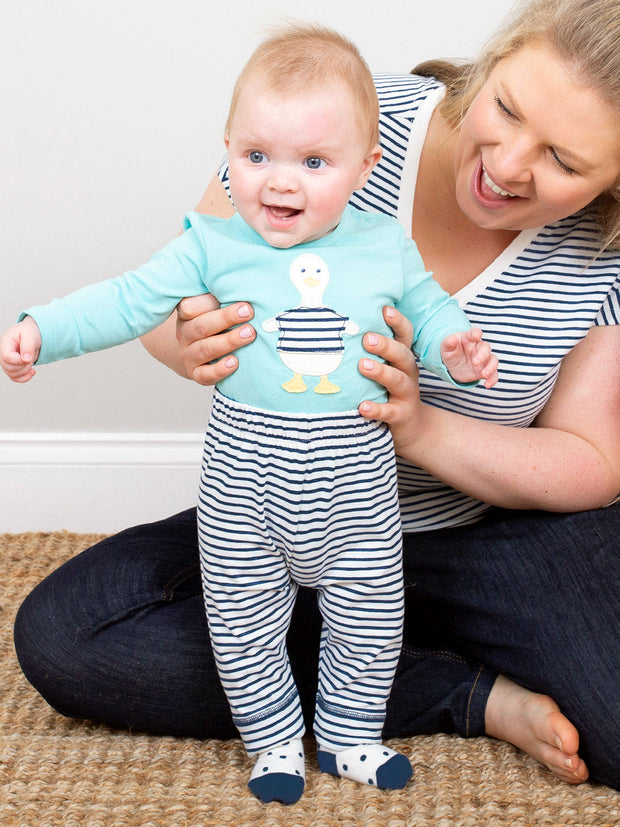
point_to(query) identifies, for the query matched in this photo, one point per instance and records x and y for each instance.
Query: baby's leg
(358, 659)
(361, 601)
(360, 649)
(249, 644)
(249, 597)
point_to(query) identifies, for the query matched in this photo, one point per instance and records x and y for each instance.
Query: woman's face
(534, 146)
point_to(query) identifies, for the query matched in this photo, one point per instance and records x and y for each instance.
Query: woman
(509, 186)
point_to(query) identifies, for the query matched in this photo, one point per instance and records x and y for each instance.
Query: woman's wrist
(162, 344)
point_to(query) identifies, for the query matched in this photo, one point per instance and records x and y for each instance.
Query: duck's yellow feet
(296, 384)
(325, 386)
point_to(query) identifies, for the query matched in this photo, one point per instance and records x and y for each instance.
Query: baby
(296, 486)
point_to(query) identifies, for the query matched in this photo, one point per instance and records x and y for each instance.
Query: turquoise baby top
(312, 303)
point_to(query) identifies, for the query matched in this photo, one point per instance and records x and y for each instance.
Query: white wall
(112, 118)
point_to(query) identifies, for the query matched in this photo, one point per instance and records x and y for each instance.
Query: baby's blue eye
(314, 163)
(257, 157)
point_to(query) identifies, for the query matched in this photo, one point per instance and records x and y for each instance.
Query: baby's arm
(469, 358)
(109, 313)
(19, 350)
(444, 341)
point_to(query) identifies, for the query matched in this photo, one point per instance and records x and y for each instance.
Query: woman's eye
(257, 157)
(503, 108)
(314, 163)
(564, 167)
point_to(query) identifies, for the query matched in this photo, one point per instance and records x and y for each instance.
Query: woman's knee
(65, 625)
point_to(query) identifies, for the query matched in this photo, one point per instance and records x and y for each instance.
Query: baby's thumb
(28, 342)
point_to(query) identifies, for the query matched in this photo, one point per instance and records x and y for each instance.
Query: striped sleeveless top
(534, 303)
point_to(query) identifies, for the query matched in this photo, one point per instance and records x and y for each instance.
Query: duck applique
(310, 341)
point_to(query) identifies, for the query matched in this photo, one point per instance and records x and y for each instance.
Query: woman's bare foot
(535, 724)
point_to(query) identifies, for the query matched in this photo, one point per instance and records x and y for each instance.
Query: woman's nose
(513, 159)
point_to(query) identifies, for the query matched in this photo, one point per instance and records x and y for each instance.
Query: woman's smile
(490, 183)
(487, 192)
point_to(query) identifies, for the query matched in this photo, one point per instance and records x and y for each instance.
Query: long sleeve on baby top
(308, 324)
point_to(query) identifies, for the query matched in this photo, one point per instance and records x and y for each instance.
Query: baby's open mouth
(282, 213)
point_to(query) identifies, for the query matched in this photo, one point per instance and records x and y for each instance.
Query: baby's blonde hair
(585, 35)
(297, 57)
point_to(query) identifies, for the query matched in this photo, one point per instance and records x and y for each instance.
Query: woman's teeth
(493, 186)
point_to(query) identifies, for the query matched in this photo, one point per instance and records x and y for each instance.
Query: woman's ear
(369, 163)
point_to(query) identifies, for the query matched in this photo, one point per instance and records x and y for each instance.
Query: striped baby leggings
(288, 499)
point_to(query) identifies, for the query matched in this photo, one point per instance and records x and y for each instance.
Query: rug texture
(55, 771)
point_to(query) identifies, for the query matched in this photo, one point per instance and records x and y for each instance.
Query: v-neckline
(415, 145)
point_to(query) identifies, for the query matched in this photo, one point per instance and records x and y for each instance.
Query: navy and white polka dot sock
(373, 764)
(279, 773)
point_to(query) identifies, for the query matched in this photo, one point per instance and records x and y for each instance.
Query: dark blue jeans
(118, 634)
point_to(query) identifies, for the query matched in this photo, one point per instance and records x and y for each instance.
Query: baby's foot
(279, 773)
(373, 764)
(535, 724)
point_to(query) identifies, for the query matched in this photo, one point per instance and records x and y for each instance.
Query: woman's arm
(215, 200)
(201, 347)
(569, 460)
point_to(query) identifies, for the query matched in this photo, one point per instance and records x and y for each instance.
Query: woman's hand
(207, 335)
(403, 411)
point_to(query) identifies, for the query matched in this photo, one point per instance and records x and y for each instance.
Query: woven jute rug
(55, 771)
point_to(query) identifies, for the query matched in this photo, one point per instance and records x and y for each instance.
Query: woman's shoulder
(576, 241)
(400, 97)
(563, 272)
(403, 93)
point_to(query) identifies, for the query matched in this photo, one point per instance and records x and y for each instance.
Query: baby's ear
(370, 162)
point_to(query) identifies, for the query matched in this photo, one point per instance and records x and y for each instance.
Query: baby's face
(294, 161)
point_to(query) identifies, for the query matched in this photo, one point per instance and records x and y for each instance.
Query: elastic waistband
(244, 418)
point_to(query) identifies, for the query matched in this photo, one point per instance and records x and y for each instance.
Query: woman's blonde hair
(585, 34)
(297, 57)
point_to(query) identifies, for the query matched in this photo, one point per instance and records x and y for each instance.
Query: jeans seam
(444, 653)
(469, 700)
(179, 578)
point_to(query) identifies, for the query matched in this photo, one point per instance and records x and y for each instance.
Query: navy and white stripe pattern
(533, 312)
(311, 330)
(534, 306)
(284, 500)
(399, 98)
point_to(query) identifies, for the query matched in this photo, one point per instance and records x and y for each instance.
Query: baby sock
(373, 764)
(279, 773)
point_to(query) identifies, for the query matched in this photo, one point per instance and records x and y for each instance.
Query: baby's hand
(19, 350)
(468, 358)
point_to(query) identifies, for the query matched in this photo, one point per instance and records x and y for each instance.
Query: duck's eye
(257, 157)
(314, 163)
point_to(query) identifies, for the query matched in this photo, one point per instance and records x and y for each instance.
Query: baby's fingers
(474, 334)
(19, 349)
(29, 340)
(489, 370)
(23, 376)
(16, 369)
(450, 346)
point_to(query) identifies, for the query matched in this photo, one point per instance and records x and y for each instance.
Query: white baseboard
(99, 482)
